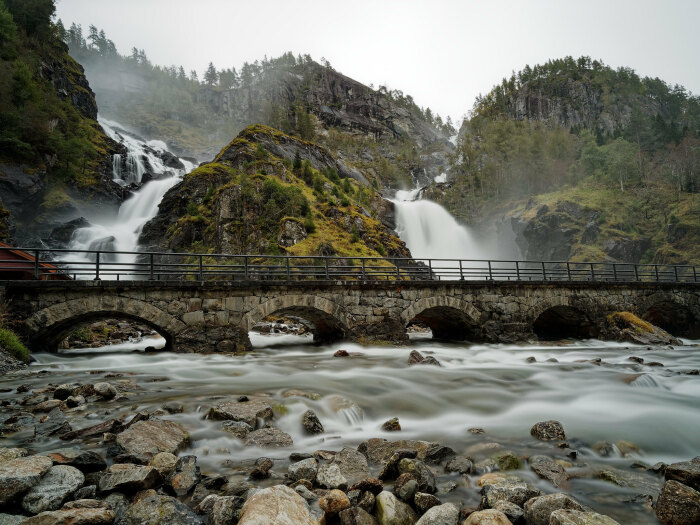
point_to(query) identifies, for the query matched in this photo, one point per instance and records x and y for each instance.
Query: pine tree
(211, 77)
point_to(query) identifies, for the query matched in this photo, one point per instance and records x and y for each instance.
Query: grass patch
(627, 319)
(11, 343)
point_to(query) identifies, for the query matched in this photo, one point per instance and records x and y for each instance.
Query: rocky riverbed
(432, 434)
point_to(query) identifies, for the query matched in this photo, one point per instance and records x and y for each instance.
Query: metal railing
(47, 264)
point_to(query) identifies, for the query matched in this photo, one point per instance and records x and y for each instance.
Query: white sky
(442, 52)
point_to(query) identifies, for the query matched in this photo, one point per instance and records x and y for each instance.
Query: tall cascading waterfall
(121, 233)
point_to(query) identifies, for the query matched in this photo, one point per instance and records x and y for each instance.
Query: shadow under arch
(562, 322)
(447, 317)
(677, 319)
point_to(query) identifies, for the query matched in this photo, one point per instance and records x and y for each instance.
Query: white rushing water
(121, 233)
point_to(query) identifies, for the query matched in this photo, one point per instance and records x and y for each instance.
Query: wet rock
(57, 485)
(341, 353)
(173, 407)
(446, 514)
(334, 502)
(511, 510)
(105, 390)
(421, 472)
(156, 509)
(487, 517)
(311, 423)
(268, 438)
(546, 468)
(262, 468)
(237, 428)
(330, 477)
(305, 493)
(405, 487)
(416, 358)
(507, 460)
(392, 425)
(686, 472)
(380, 450)
(678, 504)
(372, 485)
(279, 505)
(8, 454)
(294, 392)
(643, 482)
(627, 448)
(46, 406)
(52, 424)
(353, 465)
(577, 517)
(220, 510)
(21, 474)
(603, 448)
(153, 436)
(539, 509)
(391, 511)
(81, 512)
(305, 469)
(11, 519)
(88, 492)
(423, 501)
(119, 503)
(438, 453)
(356, 516)
(63, 392)
(548, 431)
(461, 465)
(84, 460)
(125, 477)
(109, 426)
(391, 468)
(509, 489)
(185, 476)
(249, 412)
(164, 463)
(75, 401)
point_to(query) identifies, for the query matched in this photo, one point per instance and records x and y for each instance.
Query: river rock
(546, 468)
(164, 463)
(63, 392)
(268, 438)
(59, 483)
(353, 465)
(8, 454)
(460, 465)
(279, 505)
(148, 438)
(237, 428)
(250, 411)
(330, 477)
(506, 489)
(220, 510)
(392, 425)
(305, 493)
(53, 423)
(11, 519)
(75, 401)
(577, 517)
(487, 517)
(686, 472)
(81, 512)
(305, 469)
(507, 460)
(311, 423)
(105, 390)
(405, 487)
(548, 431)
(185, 476)
(678, 504)
(334, 502)
(156, 509)
(446, 514)
(438, 453)
(356, 516)
(46, 406)
(391, 511)
(511, 510)
(125, 477)
(84, 460)
(421, 472)
(373, 485)
(539, 509)
(109, 426)
(378, 450)
(21, 474)
(423, 501)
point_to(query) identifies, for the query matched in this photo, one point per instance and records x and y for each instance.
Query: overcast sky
(442, 52)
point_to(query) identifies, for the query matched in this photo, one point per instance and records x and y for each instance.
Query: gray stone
(57, 485)
(311, 423)
(380, 450)
(305, 493)
(446, 514)
(329, 476)
(391, 511)
(152, 436)
(548, 431)
(11, 519)
(356, 516)
(268, 438)
(678, 504)
(546, 468)
(305, 469)
(539, 509)
(392, 425)
(164, 463)
(185, 476)
(334, 502)
(156, 509)
(256, 408)
(686, 472)
(52, 424)
(237, 428)
(487, 517)
(423, 501)
(279, 505)
(125, 477)
(511, 510)
(105, 390)
(8, 454)
(421, 472)
(577, 517)
(507, 489)
(81, 512)
(460, 465)
(220, 510)
(21, 474)
(63, 392)
(353, 465)
(84, 460)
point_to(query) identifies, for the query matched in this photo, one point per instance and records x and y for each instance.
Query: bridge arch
(672, 313)
(47, 327)
(447, 317)
(325, 318)
(561, 321)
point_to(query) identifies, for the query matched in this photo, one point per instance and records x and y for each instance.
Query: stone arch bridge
(203, 316)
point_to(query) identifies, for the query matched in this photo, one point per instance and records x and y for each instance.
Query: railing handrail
(153, 265)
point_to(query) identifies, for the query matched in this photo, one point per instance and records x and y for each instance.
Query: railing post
(592, 273)
(517, 270)
(245, 267)
(36, 264)
(544, 272)
(568, 271)
(289, 272)
(675, 272)
(695, 276)
(327, 276)
(636, 273)
(490, 272)
(151, 268)
(656, 271)
(614, 272)
(430, 269)
(97, 266)
(201, 268)
(461, 273)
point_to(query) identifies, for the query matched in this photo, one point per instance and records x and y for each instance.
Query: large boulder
(577, 517)
(81, 512)
(268, 438)
(446, 514)
(487, 517)
(21, 474)
(686, 472)
(678, 504)
(148, 438)
(391, 511)
(59, 483)
(250, 411)
(156, 509)
(279, 505)
(379, 450)
(539, 509)
(125, 477)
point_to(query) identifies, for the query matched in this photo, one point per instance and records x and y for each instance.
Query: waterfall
(121, 233)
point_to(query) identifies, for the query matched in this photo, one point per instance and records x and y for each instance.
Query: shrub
(11, 343)
(309, 225)
(192, 209)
